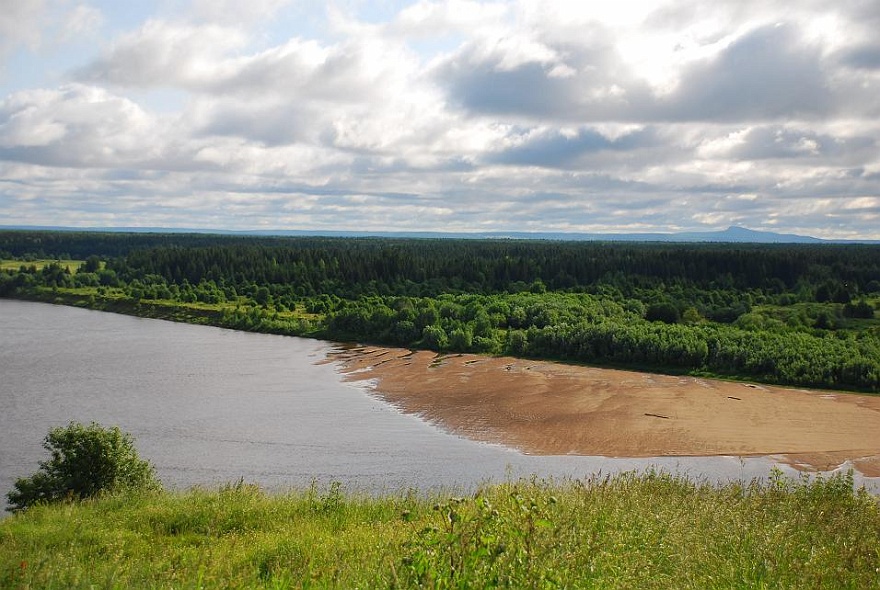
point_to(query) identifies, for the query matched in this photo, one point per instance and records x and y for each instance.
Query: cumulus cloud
(452, 114)
(767, 74)
(773, 141)
(564, 147)
(165, 54)
(74, 126)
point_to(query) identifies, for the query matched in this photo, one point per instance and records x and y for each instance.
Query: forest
(801, 315)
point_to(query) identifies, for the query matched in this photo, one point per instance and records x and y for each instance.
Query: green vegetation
(85, 461)
(630, 531)
(70, 266)
(800, 315)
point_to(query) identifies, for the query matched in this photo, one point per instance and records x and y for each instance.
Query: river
(209, 406)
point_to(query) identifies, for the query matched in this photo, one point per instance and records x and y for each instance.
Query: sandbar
(548, 408)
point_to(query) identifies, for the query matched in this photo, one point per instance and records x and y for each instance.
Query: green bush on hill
(86, 461)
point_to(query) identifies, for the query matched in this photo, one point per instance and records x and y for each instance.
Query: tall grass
(650, 530)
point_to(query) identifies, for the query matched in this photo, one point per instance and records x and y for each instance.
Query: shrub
(862, 309)
(662, 312)
(85, 461)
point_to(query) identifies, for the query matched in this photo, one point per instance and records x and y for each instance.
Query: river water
(209, 406)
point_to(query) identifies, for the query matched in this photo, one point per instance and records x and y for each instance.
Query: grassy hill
(630, 531)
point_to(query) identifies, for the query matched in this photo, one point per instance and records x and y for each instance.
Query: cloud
(360, 93)
(564, 148)
(165, 54)
(349, 72)
(75, 126)
(786, 142)
(765, 75)
(274, 124)
(450, 114)
(432, 19)
(526, 91)
(536, 79)
(236, 12)
(864, 57)
(20, 23)
(82, 21)
(40, 25)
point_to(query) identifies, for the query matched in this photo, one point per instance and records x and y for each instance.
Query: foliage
(789, 314)
(85, 461)
(650, 530)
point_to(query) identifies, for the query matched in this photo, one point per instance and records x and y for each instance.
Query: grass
(115, 294)
(116, 300)
(647, 530)
(70, 265)
(800, 312)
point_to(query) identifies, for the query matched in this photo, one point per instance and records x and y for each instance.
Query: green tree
(691, 316)
(91, 264)
(461, 339)
(85, 461)
(662, 312)
(517, 341)
(262, 296)
(861, 309)
(435, 338)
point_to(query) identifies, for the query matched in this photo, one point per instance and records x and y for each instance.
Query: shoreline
(546, 408)
(570, 398)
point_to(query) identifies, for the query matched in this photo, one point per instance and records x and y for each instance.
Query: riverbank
(549, 408)
(543, 407)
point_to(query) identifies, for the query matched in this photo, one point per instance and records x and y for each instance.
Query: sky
(448, 115)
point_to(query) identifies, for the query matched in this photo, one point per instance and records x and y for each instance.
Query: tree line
(791, 314)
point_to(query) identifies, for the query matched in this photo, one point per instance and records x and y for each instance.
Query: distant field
(71, 265)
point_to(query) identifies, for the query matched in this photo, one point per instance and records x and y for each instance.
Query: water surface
(208, 406)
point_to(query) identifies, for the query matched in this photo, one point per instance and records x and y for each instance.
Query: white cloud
(20, 23)
(429, 19)
(41, 25)
(82, 21)
(166, 54)
(455, 114)
(236, 12)
(75, 126)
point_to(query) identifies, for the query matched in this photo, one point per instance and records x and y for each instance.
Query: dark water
(208, 406)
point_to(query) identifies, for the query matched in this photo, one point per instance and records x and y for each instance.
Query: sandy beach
(550, 408)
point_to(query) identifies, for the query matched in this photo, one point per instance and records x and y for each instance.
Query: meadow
(71, 266)
(649, 530)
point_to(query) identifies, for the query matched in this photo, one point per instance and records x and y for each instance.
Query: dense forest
(788, 314)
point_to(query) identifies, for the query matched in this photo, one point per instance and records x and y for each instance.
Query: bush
(85, 461)
(862, 309)
(662, 312)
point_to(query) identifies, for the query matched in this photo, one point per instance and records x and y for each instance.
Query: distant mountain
(745, 235)
(733, 234)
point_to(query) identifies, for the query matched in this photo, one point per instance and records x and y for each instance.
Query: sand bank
(549, 408)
